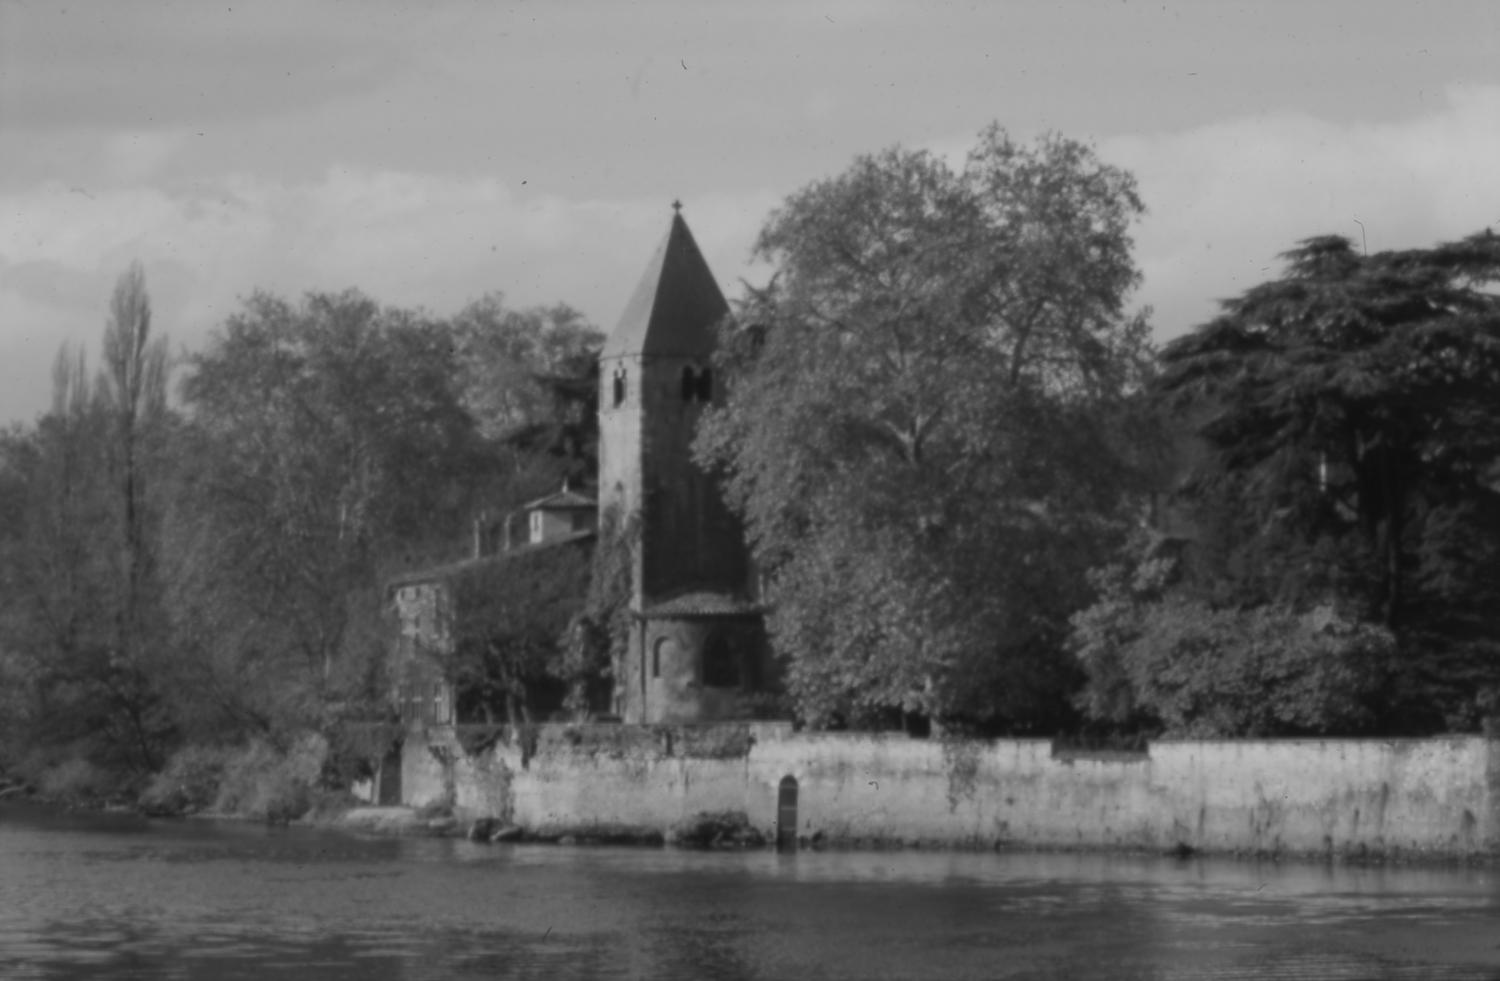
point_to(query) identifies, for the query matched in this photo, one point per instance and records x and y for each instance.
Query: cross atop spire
(677, 207)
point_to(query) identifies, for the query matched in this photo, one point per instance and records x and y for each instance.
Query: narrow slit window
(705, 385)
(689, 384)
(619, 388)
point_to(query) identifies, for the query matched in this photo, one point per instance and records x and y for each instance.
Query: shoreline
(1397, 802)
(401, 821)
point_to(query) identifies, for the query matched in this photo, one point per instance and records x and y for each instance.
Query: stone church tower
(696, 646)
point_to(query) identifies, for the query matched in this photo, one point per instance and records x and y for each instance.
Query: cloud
(1226, 199)
(181, 61)
(406, 239)
(133, 156)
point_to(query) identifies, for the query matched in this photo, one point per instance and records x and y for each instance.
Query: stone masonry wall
(1333, 797)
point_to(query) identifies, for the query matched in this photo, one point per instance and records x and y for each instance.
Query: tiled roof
(701, 604)
(441, 572)
(675, 306)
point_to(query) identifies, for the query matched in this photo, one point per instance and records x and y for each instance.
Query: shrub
(1266, 671)
(261, 782)
(189, 782)
(75, 779)
(1160, 656)
(716, 829)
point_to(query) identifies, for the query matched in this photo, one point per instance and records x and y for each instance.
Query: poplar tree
(133, 393)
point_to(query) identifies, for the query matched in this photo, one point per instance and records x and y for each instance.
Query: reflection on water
(101, 896)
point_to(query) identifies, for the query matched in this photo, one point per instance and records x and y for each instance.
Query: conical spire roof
(673, 310)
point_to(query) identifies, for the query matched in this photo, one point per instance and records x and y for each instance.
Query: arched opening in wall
(786, 813)
(619, 386)
(388, 777)
(721, 660)
(705, 391)
(689, 384)
(662, 644)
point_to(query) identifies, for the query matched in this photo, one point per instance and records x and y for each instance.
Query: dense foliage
(1163, 658)
(216, 574)
(306, 422)
(942, 427)
(510, 633)
(1347, 418)
(82, 495)
(924, 426)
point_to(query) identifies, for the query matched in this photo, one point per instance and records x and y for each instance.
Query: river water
(102, 896)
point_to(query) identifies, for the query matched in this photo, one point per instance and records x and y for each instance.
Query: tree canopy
(923, 424)
(518, 367)
(83, 629)
(510, 634)
(216, 572)
(1348, 423)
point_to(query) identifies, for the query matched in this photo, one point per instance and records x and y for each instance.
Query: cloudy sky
(428, 152)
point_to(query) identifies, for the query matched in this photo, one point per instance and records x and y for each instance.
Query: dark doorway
(786, 813)
(388, 777)
(721, 660)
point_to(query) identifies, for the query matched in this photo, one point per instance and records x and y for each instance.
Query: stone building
(427, 605)
(558, 516)
(697, 645)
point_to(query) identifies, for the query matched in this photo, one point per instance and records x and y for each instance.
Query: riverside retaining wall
(1438, 797)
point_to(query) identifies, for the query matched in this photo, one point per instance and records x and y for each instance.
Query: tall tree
(329, 439)
(512, 360)
(1349, 413)
(75, 689)
(530, 380)
(133, 393)
(922, 425)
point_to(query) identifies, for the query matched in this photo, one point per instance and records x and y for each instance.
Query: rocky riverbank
(725, 830)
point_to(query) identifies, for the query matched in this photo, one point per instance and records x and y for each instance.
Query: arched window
(619, 386)
(689, 385)
(706, 385)
(662, 644)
